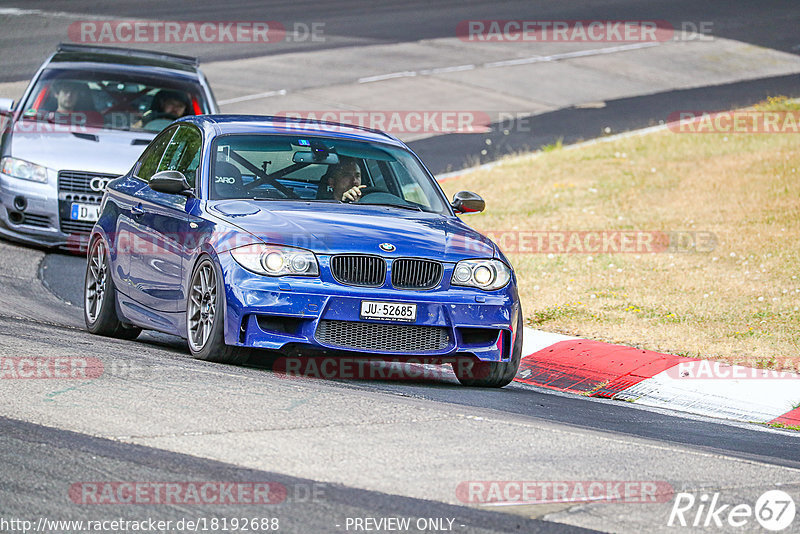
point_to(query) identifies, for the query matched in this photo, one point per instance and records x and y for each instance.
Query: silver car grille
(76, 227)
(37, 221)
(76, 186)
(80, 182)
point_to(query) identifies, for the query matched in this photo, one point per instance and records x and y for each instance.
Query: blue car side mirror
(467, 202)
(171, 183)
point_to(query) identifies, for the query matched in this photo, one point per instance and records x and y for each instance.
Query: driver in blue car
(345, 180)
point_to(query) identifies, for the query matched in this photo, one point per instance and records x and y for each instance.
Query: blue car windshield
(319, 169)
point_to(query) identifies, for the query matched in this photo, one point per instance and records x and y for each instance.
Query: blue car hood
(329, 228)
(95, 150)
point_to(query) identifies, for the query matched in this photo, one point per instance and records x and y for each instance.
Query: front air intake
(410, 339)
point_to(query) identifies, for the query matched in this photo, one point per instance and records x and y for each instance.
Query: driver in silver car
(166, 104)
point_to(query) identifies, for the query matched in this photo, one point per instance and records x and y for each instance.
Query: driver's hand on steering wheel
(150, 116)
(353, 194)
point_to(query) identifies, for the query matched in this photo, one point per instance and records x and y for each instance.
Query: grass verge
(737, 300)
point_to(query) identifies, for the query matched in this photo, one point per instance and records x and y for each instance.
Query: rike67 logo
(774, 511)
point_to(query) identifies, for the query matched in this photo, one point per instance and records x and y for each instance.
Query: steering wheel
(155, 121)
(158, 115)
(380, 196)
(370, 191)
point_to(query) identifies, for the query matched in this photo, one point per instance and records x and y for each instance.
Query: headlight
(483, 274)
(19, 168)
(275, 260)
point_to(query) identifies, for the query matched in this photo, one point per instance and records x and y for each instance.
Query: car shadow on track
(360, 369)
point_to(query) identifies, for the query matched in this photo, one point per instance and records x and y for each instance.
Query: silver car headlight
(24, 170)
(276, 260)
(483, 274)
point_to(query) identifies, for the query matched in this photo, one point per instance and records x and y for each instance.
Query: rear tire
(100, 297)
(493, 374)
(205, 316)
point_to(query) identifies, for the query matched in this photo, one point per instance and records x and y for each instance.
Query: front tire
(100, 297)
(493, 374)
(205, 317)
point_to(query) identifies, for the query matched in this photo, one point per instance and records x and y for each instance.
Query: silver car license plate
(84, 212)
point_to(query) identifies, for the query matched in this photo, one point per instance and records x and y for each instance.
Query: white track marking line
(569, 55)
(413, 73)
(508, 62)
(268, 94)
(19, 12)
(390, 76)
(443, 70)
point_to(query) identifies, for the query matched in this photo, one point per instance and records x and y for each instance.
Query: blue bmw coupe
(299, 237)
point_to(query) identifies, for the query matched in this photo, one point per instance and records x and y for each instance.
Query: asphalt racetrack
(346, 450)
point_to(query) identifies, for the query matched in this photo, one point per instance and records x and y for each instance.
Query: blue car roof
(268, 124)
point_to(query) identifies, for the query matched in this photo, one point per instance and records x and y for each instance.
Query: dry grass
(738, 303)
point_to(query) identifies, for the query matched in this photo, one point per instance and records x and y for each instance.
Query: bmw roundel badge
(387, 247)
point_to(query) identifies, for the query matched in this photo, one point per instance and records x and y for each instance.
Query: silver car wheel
(202, 308)
(96, 282)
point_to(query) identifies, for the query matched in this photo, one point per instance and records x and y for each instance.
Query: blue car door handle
(137, 210)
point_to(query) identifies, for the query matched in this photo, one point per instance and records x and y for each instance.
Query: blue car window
(376, 174)
(148, 163)
(183, 153)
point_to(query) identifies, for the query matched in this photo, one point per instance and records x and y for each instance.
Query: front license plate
(388, 311)
(84, 212)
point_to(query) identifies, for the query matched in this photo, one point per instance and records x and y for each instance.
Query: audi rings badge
(98, 185)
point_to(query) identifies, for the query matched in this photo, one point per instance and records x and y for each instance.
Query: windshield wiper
(273, 199)
(401, 206)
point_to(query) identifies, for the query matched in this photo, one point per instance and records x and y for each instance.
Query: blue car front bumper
(322, 314)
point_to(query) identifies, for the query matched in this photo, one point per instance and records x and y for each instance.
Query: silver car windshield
(318, 169)
(111, 100)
